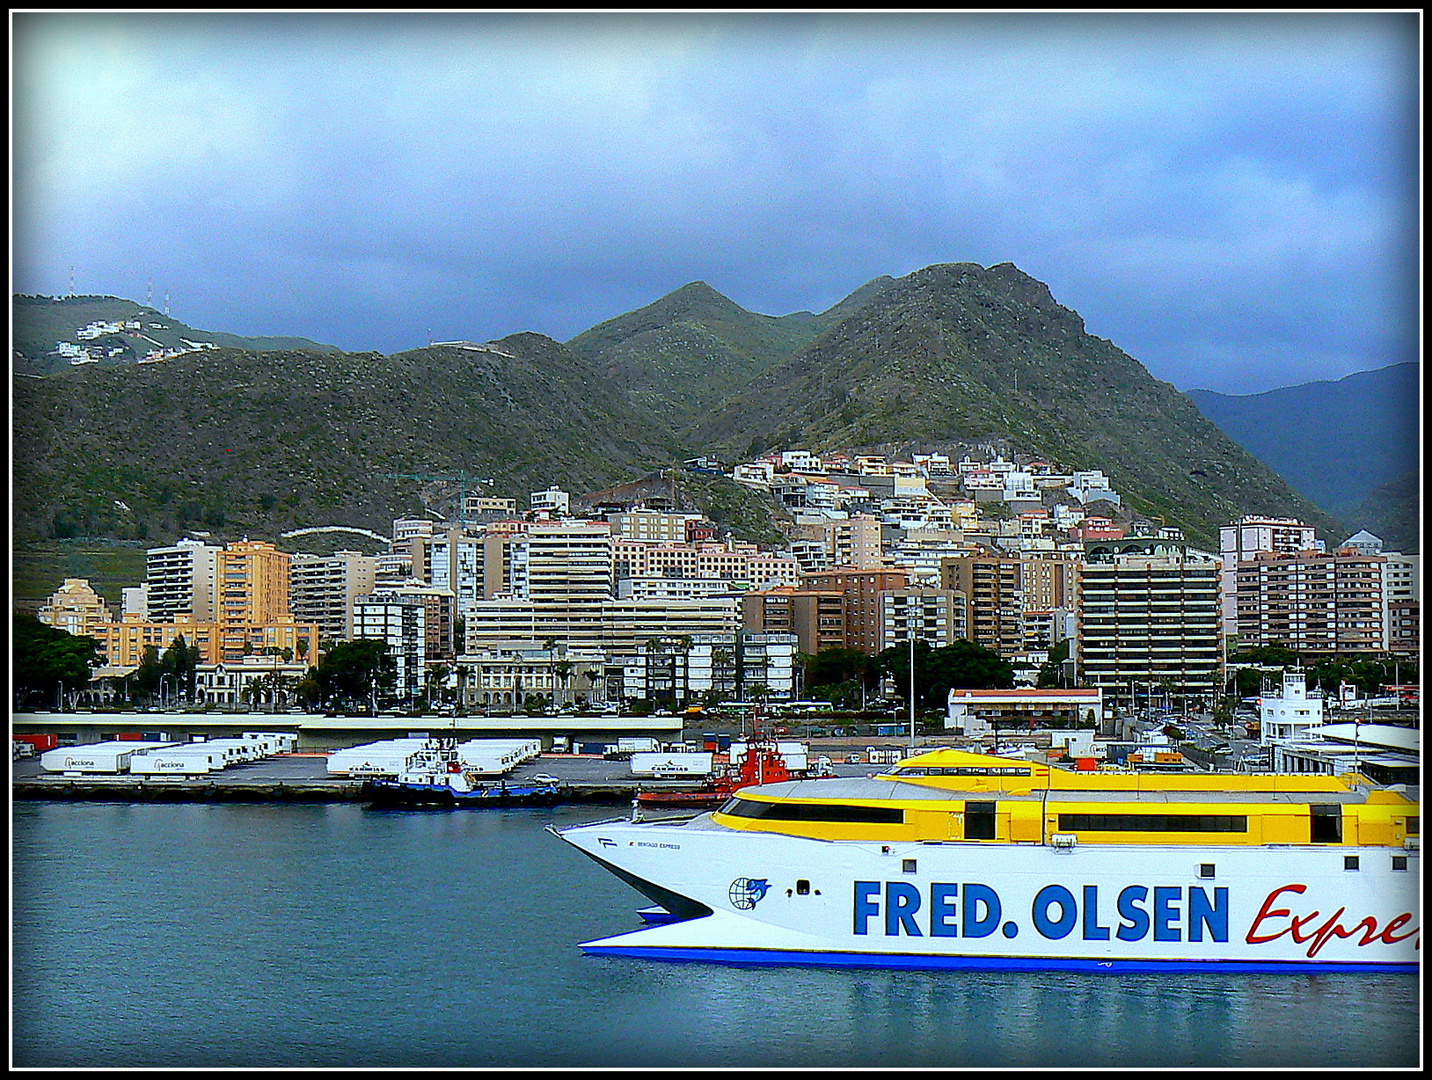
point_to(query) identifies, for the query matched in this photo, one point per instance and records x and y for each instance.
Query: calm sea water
(230, 935)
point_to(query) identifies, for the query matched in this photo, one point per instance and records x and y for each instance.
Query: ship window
(979, 821)
(907, 866)
(1413, 825)
(1153, 822)
(751, 808)
(1399, 862)
(802, 887)
(1326, 824)
(1205, 869)
(1350, 862)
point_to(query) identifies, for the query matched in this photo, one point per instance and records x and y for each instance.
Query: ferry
(956, 859)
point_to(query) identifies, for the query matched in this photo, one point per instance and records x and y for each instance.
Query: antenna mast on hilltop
(72, 281)
(149, 294)
(166, 303)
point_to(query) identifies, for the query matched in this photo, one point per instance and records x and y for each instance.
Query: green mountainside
(236, 441)
(691, 350)
(956, 353)
(42, 322)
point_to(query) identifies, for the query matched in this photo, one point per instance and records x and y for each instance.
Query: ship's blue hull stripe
(977, 963)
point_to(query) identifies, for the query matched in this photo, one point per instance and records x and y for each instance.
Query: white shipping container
(636, 745)
(105, 757)
(387, 757)
(178, 762)
(663, 764)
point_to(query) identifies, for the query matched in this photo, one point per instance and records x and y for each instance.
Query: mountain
(952, 355)
(690, 351)
(269, 441)
(1335, 442)
(1392, 512)
(957, 352)
(114, 332)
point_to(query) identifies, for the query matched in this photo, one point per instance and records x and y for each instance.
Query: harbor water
(184, 935)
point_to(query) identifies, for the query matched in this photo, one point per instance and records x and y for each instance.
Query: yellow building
(123, 643)
(76, 608)
(253, 579)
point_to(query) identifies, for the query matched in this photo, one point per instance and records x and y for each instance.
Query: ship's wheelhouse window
(835, 812)
(1153, 822)
(1414, 825)
(979, 821)
(1325, 824)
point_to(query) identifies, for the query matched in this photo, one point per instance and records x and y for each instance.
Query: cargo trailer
(105, 757)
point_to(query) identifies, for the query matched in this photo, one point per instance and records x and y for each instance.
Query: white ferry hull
(773, 898)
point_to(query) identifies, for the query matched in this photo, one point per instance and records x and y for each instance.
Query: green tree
(1051, 672)
(963, 665)
(181, 660)
(46, 659)
(356, 670)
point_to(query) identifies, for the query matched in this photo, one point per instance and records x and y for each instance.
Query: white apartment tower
(183, 580)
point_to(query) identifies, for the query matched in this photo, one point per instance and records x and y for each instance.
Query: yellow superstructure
(949, 795)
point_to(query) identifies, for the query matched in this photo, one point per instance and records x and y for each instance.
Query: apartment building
(937, 617)
(815, 617)
(563, 563)
(123, 643)
(253, 580)
(993, 586)
(607, 625)
(401, 622)
(862, 589)
(324, 588)
(183, 581)
(1149, 620)
(642, 524)
(440, 642)
(1315, 603)
(1250, 536)
(1402, 599)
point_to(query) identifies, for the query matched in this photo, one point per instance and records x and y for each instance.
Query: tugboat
(761, 763)
(436, 778)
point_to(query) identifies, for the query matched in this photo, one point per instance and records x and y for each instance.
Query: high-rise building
(1148, 623)
(815, 617)
(324, 588)
(402, 623)
(993, 586)
(183, 581)
(1315, 603)
(934, 616)
(1253, 535)
(862, 589)
(253, 579)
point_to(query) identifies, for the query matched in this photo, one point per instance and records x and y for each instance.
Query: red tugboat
(760, 764)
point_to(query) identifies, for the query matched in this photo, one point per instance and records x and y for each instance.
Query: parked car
(545, 778)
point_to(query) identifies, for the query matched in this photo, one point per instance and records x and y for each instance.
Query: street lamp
(912, 686)
(162, 698)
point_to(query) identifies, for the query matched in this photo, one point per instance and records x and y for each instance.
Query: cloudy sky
(1231, 199)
